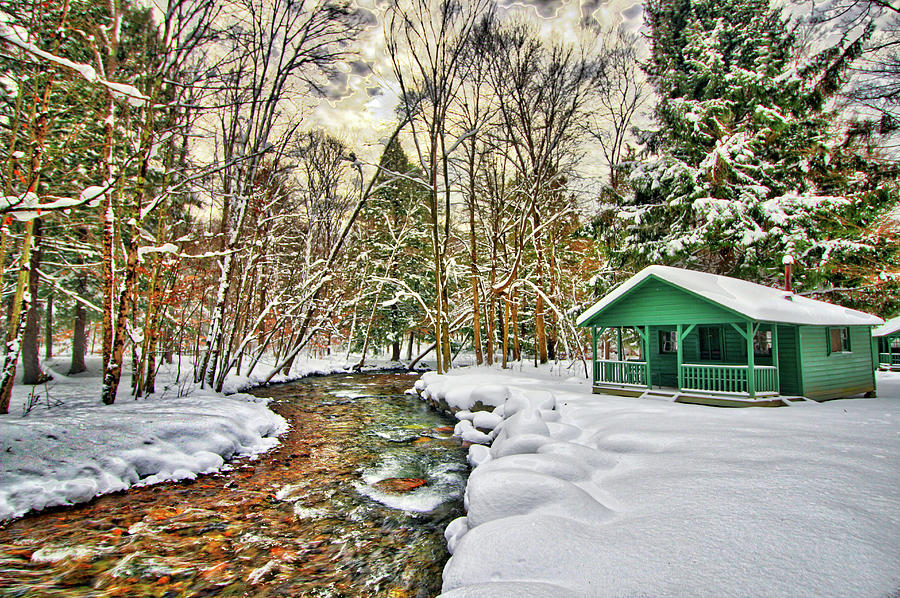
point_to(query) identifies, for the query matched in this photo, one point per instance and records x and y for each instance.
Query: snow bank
(70, 447)
(74, 454)
(592, 495)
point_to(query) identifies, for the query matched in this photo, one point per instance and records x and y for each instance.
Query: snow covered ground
(68, 447)
(585, 495)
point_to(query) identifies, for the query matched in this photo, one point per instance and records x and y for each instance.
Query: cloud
(361, 103)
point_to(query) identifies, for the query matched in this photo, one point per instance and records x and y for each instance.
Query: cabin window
(838, 340)
(762, 343)
(710, 343)
(668, 341)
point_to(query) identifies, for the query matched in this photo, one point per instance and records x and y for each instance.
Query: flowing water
(307, 519)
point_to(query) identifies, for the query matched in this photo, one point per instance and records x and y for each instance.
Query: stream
(314, 517)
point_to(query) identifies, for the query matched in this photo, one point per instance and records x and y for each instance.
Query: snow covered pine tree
(751, 161)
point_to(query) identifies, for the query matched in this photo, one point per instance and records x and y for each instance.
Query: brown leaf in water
(399, 485)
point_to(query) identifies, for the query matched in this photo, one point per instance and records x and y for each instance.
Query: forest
(168, 195)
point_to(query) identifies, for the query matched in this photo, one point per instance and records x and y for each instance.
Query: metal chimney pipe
(788, 261)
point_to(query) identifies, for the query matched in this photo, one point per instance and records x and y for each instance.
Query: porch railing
(621, 372)
(728, 378)
(889, 358)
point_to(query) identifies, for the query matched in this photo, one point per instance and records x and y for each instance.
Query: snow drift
(590, 495)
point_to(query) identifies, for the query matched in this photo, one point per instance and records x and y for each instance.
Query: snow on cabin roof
(755, 301)
(889, 327)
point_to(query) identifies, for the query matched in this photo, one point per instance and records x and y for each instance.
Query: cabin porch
(889, 351)
(735, 364)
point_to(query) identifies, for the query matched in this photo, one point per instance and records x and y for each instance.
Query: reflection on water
(306, 520)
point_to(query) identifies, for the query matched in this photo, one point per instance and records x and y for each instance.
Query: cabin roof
(755, 301)
(888, 328)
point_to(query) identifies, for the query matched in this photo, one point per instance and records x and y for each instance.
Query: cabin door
(664, 358)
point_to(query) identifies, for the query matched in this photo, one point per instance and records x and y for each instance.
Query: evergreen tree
(749, 164)
(398, 253)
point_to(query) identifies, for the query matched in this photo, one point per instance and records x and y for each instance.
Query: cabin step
(660, 395)
(796, 400)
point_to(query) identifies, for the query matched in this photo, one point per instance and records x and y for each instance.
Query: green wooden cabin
(887, 344)
(718, 340)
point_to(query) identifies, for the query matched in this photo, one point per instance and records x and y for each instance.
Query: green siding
(655, 303)
(734, 347)
(691, 348)
(788, 364)
(837, 375)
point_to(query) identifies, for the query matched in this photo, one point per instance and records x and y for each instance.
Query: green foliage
(751, 164)
(73, 152)
(398, 250)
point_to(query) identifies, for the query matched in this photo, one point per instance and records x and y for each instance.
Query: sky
(362, 111)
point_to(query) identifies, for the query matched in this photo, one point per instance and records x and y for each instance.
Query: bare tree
(279, 48)
(621, 96)
(870, 29)
(542, 92)
(186, 28)
(474, 111)
(426, 43)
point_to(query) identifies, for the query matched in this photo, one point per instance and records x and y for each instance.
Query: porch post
(775, 357)
(679, 355)
(647, 356)
(594, 354)
(621, 353)
(751, 377)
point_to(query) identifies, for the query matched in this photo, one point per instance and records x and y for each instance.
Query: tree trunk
(446, 330)
(22, 300)
(505, 330)
(517, 347)
(112, 371)
(31, 364)
(473, 258)
(286, 370)
(48, 328)
(151, 336)
(79, 341)
(438, 280)
(5, 237)
(395, 350)
(491, 327)
(539, 325)
(14, 335)
(107, 235)
(409, 347)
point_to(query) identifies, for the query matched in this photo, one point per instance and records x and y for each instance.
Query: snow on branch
(121, 90)
(164, 248)
(28, 207)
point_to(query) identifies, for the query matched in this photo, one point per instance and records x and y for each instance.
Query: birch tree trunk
(125, 302)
